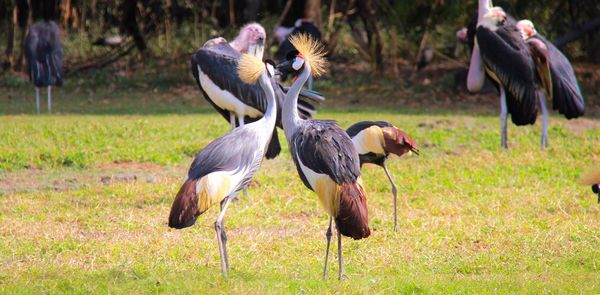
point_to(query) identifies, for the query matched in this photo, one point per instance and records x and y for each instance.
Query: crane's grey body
(316, 145)
(222, 168)
(322, 153)
(44, 54)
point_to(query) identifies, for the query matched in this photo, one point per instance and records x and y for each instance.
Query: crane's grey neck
(270, 115)
(290, 119)
(484, 7)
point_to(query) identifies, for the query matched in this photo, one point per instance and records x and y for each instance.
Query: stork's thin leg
(232, 120)
(221, 237)
(544, 121)
(503, 115)
(341, 269)
(49, 99)
(328, 235)
(37, 100)
(395, 193)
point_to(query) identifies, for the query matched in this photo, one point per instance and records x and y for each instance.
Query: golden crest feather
(312, 51)
(591, 177)
(250, 68)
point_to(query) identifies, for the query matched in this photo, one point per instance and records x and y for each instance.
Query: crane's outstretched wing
(325, 148)
(566, 95)
(506, 55)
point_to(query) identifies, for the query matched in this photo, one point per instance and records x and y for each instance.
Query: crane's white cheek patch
(297, 64)
(224, 99)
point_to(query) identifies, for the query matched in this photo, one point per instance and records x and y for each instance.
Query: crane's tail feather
(274, 147)
(184, 210)
(352, 218)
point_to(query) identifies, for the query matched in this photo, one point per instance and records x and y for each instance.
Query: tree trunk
(9, 59)
(24, 16)
(366, 10)
(312, 11)
(129, 24)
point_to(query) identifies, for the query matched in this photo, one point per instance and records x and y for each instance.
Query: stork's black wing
(567, 97)
(219, 63)
(323, 147)
(505, 53)
(360, 126)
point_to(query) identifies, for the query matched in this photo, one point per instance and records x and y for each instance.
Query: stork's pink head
(461, 35)
(526, 27)
(250, 40)
(214, 41)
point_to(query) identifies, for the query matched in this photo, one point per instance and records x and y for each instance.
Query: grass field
(85, 195)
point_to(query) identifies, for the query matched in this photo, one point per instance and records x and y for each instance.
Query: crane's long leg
(221, 237)
(544, 120)
(328, 235)
(241, 121)
(49, 99)
(503, 115)
(341, 269)
(37, 99)
(395, 193)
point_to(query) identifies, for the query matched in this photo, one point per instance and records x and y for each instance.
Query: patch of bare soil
(63, 179)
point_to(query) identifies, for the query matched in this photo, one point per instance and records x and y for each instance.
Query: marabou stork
(214, 68)
(44, 54)
(564, 90)
(375, 141)
(323, 153)
(499, 47)
(227, 164)
(592, 177)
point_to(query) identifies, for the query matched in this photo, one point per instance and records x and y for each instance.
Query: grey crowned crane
(501, 51)
(227, 164)
(375, 141)
(564, 90)
(44, 54)
(323, 153)
(592, 178)
(214, 68)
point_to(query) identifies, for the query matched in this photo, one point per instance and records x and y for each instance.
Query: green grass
(473, 218)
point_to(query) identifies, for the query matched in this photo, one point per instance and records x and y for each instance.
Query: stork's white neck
(484, 7)
(290, 119)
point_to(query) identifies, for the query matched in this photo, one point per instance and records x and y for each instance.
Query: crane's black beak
(286, 66)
